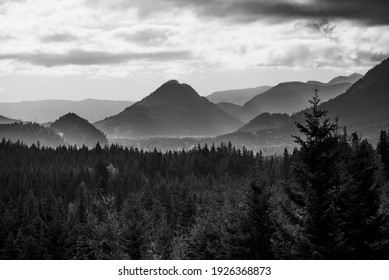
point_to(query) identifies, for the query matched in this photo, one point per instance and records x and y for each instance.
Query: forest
(326, 199)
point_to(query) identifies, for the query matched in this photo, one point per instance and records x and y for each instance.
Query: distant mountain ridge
(5, 120)
(287, 98)
(265, 121)
(236, 96)
(49, 110)
(346, 79)
(174, 109)
(229, 108)
(78, 131)
(362, 108)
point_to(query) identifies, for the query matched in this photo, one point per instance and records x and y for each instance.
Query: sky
(125, 49)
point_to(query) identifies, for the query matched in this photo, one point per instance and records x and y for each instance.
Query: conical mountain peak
(171, 92)
(78, 131)
(174, 109)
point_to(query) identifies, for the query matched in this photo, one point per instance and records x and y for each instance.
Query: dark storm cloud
(372, 12)
(58, 37)
(81, 57)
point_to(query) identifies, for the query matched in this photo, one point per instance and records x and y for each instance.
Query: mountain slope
(78, 131)
(287, 98)
(50, 110)
(362, 108)
(265, 121)
(236, 96)
(5, 120)
(174, 109)
(229, 108)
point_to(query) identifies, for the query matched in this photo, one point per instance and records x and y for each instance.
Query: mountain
(236, 96)
(30, 133)
(229, 108)
(50, 110)
(314, 83)
(174, 109)
(364, 107)
(78, 131)
(287, 98)
(345, 79)
(4, 120)
(265, 121)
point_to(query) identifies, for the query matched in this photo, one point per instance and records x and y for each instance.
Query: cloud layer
(58, 37)
(81, 57)
(372, 12)
(191, 36)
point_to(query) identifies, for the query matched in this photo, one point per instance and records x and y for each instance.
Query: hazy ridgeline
(328, 199)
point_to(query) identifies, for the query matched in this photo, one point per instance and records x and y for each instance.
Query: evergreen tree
(318, 179)
(133, 234)
(286, 165)
(383, 150)
(362, 219)
(259, 223)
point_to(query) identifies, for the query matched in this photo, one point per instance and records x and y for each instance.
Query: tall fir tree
(383, 151)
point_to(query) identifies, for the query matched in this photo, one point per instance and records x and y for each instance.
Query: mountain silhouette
(5, 120)
(229, 108)
(265, 121)
(236, 96)
(345, 79)
(44, 111)
(363, 108)
(174, 109)
(78, 131)
(288, 98)
(30, 133)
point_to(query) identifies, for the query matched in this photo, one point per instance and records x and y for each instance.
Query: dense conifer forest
(327, 199)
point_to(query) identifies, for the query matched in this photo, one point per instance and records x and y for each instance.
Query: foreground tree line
(326, 200)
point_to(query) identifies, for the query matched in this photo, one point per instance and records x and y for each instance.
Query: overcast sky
(124, 49)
